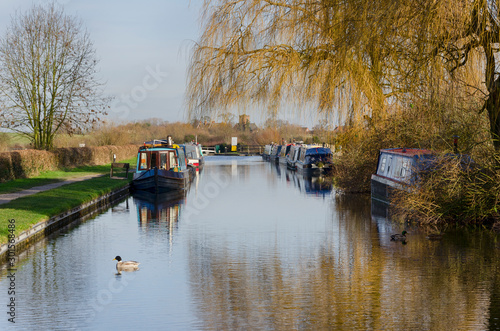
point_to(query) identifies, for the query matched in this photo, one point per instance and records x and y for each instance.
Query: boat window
(172, 162)
(143, 164)
(303, 156)
(382, 164)
(153, 160)
(181, 158)
(404, 168)
(297, 155)
(163, 161)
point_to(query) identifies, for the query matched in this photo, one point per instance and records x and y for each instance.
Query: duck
(125, 265)
(399, 237)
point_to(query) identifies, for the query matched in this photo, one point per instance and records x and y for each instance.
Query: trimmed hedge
(28, 163)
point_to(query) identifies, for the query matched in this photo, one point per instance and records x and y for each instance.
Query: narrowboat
(292, 157)
(285, 150)
(315, 160)
(194, 155)
(275, 153)
(161, 167)
(397, 169)
(267, 152)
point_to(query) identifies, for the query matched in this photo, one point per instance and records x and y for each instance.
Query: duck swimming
(125, 265)
(399, 237)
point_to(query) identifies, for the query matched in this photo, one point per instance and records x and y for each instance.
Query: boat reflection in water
(317, 185)
(159, 213)
(314, 185)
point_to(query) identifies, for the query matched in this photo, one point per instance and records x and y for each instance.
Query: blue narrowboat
(161, 167)
(314, 160)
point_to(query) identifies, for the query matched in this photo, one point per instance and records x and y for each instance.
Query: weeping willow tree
(354, 58)
(269, 52)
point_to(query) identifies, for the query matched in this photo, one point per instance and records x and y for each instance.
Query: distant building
(244, 120)
(244, 124)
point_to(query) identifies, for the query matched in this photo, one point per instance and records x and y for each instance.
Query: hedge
(29, 162)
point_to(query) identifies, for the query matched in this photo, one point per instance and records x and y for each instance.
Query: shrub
(453, 193)
(29, 163)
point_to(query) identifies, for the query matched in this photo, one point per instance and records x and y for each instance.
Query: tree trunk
(493, 108)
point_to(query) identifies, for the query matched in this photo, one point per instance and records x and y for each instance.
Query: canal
(253, 246)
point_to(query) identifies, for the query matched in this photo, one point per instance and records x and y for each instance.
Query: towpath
(8, 197)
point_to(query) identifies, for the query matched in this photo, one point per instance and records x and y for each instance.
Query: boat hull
(158, 180)
(313, 169)
(382, 188)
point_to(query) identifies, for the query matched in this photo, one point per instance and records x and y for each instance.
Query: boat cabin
(397, 168)
(316, 159)
(160, 157)
(161, 167)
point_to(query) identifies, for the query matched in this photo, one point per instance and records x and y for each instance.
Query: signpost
(234, 144)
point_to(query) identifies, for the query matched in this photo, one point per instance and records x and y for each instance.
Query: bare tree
(48, 76)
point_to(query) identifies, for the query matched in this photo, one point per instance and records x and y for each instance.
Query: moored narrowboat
(397, 169)
(292, 157)
(194, 155)
(315, 160)
(285, 150)
(267, 152)
(275, 153)
(161, 167)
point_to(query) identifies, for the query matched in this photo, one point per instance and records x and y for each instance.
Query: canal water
(252, 246)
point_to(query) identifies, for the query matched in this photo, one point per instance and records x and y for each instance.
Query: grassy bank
(30, 210)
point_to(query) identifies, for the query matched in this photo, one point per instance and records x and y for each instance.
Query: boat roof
(408, 151)
(318, 150)
(158, 145)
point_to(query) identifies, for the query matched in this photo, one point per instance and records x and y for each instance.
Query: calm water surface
(253, 246)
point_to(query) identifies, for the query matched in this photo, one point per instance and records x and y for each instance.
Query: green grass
(50, 177)
(16, 138)
(30, 210)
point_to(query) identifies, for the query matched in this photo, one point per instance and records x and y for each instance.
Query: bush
(453, 194)
(28, 163)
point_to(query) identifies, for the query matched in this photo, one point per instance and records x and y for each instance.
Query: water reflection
(158, 214)
(453, 282)
(258, 252)
(158, 209)
(308, 184)
(350, 277)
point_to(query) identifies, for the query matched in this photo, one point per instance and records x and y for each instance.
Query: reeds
(454, 192)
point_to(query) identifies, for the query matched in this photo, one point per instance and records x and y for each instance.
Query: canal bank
(28, 219)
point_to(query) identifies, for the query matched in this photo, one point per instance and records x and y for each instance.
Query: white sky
(143, 48)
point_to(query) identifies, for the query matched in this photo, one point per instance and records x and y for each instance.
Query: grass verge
(30, 210)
